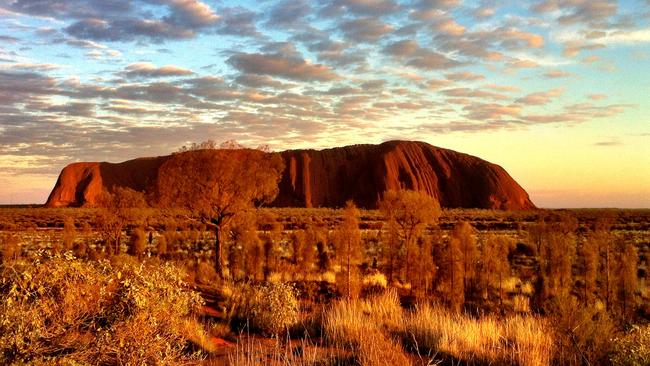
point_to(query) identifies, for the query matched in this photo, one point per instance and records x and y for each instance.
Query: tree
(495, 266)
(604, 241)
(271, 235)
(69, 233)
(245, 255)
(216, 185)
(298, 241)
(589, 270)
(348, 242)
(425, 266)
(117, 209)
(557, 255)
(454, 272)
(392, 245)
(464, 233)
(626, 275)
(411, 211)
(138, 243)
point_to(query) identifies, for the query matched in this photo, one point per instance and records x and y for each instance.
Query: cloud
(431, 60)
(484, 12)
(192, 13)
(29, 66)
(149, 70)
(513, 38)
(289, 13)
(368, 30)
(122, 20)
(489, 44)
(465, 76)
(361, 7)
(576, 113)
(473, 93)
(418, 57)
(577, 11)
(238, 21)
(607, 143)
(260, 81)
(597, 96)
(573, 48)
(337, 53)
(281, 66)
(74, 109)
(8, 39)
(503, 88)
(626, 37)
(541, 98)
(523, 64)
(128, 29)
(491, 111)
(403, 48)
(556, 74)
(450, 27)
(435, 84)
(437, 4)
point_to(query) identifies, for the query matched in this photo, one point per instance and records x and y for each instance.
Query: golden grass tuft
(518, 340)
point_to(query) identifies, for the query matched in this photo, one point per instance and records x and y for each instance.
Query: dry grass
(253, 352)
(365, 327)
(513, 340)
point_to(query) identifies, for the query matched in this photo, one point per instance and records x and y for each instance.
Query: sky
(555, 91)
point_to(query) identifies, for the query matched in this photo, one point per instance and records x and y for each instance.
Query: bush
(206, 274)
(10, 247)
(138, 243)
(633, 349)
(269, 308)
(64, 310)
(582, 333)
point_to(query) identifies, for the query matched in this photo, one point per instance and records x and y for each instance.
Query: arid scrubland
(402, 285)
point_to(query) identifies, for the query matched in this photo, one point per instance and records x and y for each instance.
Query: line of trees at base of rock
(222, 191)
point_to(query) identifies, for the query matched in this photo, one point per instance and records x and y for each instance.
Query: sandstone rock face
(327, 178)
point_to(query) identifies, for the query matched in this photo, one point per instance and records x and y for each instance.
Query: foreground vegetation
(329, 287)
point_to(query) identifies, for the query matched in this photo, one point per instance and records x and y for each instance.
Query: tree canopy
(215, 185)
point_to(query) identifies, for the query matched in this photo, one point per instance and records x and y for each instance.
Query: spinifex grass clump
(62, 309)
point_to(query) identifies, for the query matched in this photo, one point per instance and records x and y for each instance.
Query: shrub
(138, 243)
(64, 310)
(206, 274)
(10, 247)
(161, 247)
(269, 308)
(69, 233)
(583, 333)
(633, 349)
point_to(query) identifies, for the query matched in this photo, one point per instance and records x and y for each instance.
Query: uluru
(330, 177)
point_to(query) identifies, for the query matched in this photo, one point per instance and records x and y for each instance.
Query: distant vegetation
(408, 284)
